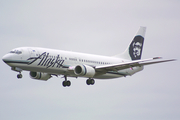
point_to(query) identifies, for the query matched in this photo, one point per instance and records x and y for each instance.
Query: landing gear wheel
(90, 81)
(66, 83)
(19, 76)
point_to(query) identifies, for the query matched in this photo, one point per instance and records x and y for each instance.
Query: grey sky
(98, 27)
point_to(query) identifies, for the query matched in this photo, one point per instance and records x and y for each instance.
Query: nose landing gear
(17, 70)
(19, 75)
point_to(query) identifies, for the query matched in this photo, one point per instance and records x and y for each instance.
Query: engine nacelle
(39, 75)
(84, 70)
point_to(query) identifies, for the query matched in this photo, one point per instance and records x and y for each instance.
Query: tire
(68, 83)
(88, 81)
(92, 81)
(19, 76)
(64, 84)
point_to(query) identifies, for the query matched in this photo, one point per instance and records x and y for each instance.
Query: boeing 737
(43, 63)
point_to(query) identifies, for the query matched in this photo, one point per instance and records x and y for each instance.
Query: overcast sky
(103, 27)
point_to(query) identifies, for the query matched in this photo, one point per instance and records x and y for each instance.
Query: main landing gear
(66, 83)
(90, 81)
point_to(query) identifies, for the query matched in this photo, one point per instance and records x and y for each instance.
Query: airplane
(43, 63)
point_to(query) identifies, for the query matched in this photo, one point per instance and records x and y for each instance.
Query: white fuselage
(60, 62)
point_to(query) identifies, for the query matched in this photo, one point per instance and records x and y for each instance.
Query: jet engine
(84, 70)
(39, 75)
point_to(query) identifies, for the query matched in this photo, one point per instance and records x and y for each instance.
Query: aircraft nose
(6, 58)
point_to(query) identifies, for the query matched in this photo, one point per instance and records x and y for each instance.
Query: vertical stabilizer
(134, 50)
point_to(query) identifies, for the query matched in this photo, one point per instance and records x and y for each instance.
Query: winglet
(157, 58)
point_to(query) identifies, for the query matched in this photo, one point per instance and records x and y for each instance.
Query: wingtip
(154, 58)
(173, 59)
(157, 58)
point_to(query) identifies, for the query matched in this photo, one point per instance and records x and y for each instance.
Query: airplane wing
(130, 64)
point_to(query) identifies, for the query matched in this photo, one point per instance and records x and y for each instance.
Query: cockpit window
(16, 51)
(12, 52)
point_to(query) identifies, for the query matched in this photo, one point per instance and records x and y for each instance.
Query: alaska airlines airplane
(44, 63)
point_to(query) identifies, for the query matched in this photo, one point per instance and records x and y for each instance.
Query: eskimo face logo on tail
(135, 49)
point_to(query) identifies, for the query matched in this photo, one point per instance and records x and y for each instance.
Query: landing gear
(19, 76)
(66, 83)
(17, 70)
(90, 81)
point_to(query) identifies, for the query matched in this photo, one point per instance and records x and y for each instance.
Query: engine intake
(84, 70)
(39, 75)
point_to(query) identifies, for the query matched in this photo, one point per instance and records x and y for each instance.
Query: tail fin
(134, 50)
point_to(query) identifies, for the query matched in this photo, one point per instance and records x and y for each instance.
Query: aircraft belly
(57, 71)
